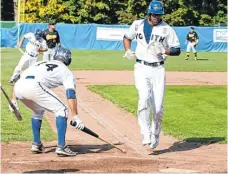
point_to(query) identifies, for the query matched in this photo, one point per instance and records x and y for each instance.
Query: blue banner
(109, 37)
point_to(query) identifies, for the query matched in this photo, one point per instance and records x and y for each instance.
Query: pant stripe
(54, 97)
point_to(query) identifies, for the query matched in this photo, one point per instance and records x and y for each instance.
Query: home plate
(182, 171)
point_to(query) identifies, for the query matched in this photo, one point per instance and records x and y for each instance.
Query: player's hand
(77, 123)
(129, 54)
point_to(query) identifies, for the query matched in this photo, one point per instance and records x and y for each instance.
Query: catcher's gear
(64, 55)
(156, 7)
(38, 34)
(129, 54)
(77, 123)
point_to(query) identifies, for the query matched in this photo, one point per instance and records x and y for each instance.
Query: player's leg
(24, 92)
(51, 102)
(36, 122)
(194, 52)
(16, 74)
(158, 83)
(144, 91)
(46, 55)
(52, 53)
(188, 51)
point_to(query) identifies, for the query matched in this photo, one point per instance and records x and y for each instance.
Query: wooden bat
(90, 132)
(15, 111)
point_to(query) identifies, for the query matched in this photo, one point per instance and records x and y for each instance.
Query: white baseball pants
(49, 54)
(39, 98)
(150, 83)
(25, 61)
(190, 47)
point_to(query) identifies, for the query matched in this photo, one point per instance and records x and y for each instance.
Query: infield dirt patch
(119, 127)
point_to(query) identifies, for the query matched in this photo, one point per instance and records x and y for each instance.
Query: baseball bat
(15, 111)
(90, 132)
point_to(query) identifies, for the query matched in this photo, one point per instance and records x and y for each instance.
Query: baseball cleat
(65, 151)
(195, 58)
(154, 141)
(186, 58)
(37, 148)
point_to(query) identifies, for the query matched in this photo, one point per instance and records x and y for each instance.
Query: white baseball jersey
(162, 33)
(33, 44)
(51, 74)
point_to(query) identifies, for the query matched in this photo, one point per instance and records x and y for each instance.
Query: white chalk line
(107, 126)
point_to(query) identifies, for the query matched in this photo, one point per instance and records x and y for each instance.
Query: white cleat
(154, 141)
(64, 151)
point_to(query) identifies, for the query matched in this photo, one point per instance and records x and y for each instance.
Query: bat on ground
(90, 132)
(15, 111)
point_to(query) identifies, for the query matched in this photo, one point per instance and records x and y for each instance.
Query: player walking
(155, 40)
(192, 41)
(33, 89)
(35, 45)
(52, 38)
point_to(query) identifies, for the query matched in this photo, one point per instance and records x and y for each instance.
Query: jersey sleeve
(130, 35)
(172, 39)
(69, 80)
(29, 36)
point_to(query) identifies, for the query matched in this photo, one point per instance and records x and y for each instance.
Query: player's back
(49, 73)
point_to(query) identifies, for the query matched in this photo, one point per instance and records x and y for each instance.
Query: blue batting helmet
(156, 7)
(38, 34)
(63, 55)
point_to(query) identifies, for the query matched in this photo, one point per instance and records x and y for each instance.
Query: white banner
(220, 35)
(113, 34)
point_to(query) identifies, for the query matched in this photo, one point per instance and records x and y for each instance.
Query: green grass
(191, 112)
(113, 60)
(11, 129)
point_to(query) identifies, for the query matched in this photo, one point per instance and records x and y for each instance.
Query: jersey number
(51, 67)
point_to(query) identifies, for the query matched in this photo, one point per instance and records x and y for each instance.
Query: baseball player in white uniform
(34, 90)
(155, 40)
(35, 45)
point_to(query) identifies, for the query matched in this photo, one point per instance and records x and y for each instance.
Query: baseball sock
(36, 125)
(61, 124)
(195, 54)
(187, 54)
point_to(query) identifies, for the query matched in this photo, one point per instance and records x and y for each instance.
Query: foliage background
(178, 12)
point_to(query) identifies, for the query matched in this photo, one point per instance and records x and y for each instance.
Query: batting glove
(129, 54)
(77, 123)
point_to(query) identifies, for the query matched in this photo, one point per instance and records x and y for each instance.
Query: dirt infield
(121, 128)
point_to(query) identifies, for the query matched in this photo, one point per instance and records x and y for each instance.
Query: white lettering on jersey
(51, 74)
(162, 33)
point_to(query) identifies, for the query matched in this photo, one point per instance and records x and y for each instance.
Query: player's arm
(43, 47)
(127, 39)
(20, 42)
(58, 40)
(173, 44)
(69, 84)
(197, 38)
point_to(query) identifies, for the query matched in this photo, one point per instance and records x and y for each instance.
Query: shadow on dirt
(83, 149)
(189, 144)
(53, 171)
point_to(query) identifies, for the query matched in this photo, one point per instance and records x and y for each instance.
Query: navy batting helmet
(38, 34)
(156, 7)
(63, 55)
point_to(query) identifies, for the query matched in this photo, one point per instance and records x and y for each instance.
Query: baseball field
(194, 134)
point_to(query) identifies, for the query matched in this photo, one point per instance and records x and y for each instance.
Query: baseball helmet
(38, 34)
(63, 55)
(156, 7)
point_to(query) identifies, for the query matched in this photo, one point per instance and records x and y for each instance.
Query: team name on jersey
(154, 37)
(48, 37)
